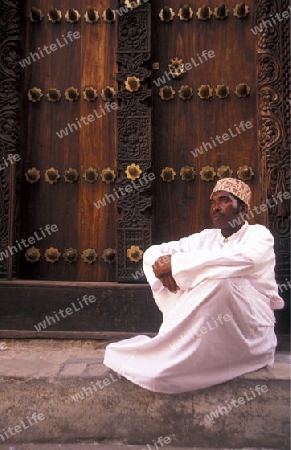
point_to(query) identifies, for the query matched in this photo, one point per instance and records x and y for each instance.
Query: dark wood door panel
(89, 60)
(183, 126)
(112, 309)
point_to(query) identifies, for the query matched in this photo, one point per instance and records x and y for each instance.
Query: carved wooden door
(186, 95)
(58, 205)
(215, 113)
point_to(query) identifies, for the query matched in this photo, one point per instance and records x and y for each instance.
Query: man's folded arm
(156, 251)
(249, 259)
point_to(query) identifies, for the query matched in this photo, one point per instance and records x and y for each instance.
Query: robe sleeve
(252, 257)
(168, 248)
(163, 297)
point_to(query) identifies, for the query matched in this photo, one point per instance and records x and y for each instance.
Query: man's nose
(215, 206)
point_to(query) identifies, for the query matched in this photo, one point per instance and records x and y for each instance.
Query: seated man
(217, 291)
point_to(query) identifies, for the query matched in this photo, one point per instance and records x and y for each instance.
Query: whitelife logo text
(129, 188)
(204, 56)
(47, 50)
(48, 230)
(65, 312)
(243, 126)
(71, 127)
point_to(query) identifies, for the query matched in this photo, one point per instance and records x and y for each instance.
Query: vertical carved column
(134, 136)
(10, 38)
(273, 48)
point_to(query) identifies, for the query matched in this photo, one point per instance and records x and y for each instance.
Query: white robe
(219, 325)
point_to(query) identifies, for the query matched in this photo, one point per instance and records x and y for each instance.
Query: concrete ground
(43, 376)
(49, 358)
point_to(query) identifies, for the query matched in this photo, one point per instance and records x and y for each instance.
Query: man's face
(223, 209)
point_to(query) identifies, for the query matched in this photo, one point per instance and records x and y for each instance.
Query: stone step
(40, 377)
(120, 446)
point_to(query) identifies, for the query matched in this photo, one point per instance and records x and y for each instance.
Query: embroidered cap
(235, 187)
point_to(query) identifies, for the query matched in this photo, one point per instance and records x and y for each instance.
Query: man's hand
(169, 282)
(162, 266)
(163, 270)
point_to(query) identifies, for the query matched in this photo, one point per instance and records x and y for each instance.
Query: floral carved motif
(134, 138)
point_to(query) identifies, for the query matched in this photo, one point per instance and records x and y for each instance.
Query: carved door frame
(274, 137)
(134, 59)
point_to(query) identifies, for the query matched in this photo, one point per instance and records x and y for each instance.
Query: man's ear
(243, 208)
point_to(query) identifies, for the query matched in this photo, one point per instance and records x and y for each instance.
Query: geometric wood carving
(10, 38)
(134, 137)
